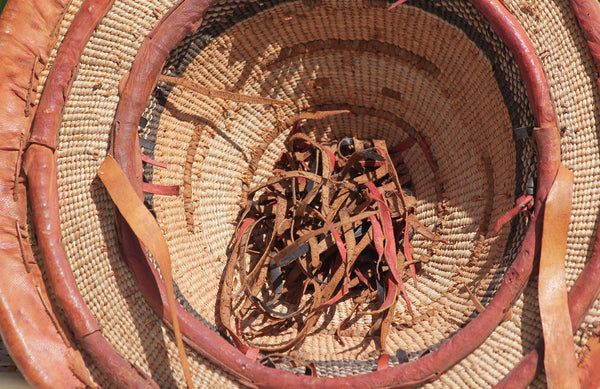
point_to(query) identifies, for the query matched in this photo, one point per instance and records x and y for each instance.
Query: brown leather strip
(136, 92)
(523, 203)
(148, 231)
(153, 162)
(30, 90)
(18, 167)
(26, 326)
(587, 286)
(22, 247)
(60, 19)
(220, 94)
(581, 297)
(397, 3)
(561, 367)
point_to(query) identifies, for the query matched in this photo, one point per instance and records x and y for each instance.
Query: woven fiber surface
(434, 65)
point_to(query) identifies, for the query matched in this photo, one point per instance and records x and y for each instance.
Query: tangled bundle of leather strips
(27, 155)
(327, 226)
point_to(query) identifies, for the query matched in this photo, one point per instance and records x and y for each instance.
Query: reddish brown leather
(589, 373)
(136, 92)
(165, 190)
(151, 161)
(40, 166)
(587, 287)
(581, 297)
(30, 330)
(547, 139)
(588, 16)
(63, 72)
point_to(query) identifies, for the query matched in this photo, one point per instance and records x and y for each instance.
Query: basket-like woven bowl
(393, 70)
(456, 71)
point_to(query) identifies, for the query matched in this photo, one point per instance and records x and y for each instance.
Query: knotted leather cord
(325, 204)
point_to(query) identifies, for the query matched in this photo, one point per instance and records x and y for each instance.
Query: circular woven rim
(135, 95)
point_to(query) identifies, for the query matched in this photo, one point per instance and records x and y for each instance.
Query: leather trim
(587, 286)
(588, 16)
(165, 190)
(148, 231)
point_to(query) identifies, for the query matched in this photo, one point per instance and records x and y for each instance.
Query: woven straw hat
(453, 70)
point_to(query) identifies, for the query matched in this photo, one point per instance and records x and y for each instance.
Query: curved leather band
(549, 156)
(187, 22)
(587, 286)
(588, 16)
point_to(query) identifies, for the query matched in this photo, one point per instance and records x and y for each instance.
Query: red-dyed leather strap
(165, 190)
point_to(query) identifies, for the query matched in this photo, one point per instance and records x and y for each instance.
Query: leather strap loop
(151, 161)
(148, 231)
(166, 190)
